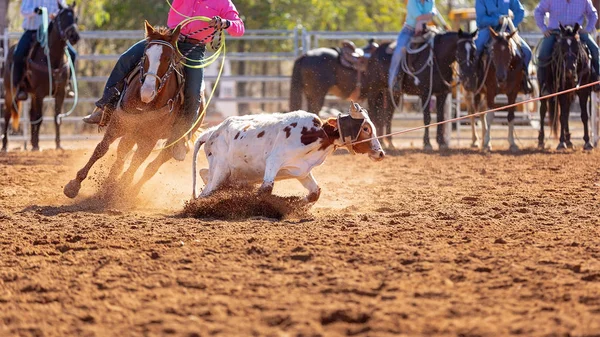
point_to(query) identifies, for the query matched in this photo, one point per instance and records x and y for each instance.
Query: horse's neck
(445, 47)
(132, 99)
(56, 46)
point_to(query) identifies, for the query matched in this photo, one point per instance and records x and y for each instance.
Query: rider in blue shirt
(417, 11)
(489, 13)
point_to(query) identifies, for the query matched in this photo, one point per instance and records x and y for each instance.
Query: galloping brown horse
(61, 29)
(147, 113)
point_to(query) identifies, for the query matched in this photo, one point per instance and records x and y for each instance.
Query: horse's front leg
(487, 123)
(584, 97)
(440, 104)
(564, 120)
(512, 97)
(72, 188)
(125, 145)
(36, 118)
(143, 151)
(426, 120)
(59, 98)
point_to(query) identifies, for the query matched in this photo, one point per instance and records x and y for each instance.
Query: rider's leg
(526, 59)
(405, 34)
(482, 38)
(191, 101)
(107, 104)
(593, 47)
(19, 56)
(544, 57)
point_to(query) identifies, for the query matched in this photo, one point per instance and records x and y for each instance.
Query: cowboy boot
(105, 106)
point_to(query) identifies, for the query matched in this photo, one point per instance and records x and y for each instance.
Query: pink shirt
(209, 8)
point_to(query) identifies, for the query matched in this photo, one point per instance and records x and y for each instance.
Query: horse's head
(501, 54)
(569, 46)
(466, 57)
(66, 22)
(160, 60)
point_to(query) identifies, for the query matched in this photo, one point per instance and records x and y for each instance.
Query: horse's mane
(160, 33)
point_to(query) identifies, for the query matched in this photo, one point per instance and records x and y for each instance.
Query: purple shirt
(567, 13)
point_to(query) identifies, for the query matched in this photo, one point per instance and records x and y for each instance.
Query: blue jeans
(22, 50)
(193, 76)
(403, 38)
(484, 37)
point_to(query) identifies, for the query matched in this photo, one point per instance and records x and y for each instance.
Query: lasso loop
(73, 85)
(203, 63)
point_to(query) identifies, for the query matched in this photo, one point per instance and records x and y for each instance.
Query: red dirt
(420, 244)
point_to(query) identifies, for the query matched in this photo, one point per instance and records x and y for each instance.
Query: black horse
(337, 71)
(434, 80)
(61, 29)
(569, 67)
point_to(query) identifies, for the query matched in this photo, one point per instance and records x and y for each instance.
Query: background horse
(503, 75)
(61, 29)
(325, 70)
(471, 75)
(434, 80)
(149, 108)
(569, 67)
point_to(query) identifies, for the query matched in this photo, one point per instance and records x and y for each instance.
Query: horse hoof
(513, 149)
(561, 146)
(474, 146)
(588, 146)
(60, 148)
(4, 150)
(428, 147)
(35, 149)
(72, 188)
(444, 147)
(486, 149)
(570, 145)
(541, 146)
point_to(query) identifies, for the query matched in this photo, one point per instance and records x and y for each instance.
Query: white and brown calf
(268, 147)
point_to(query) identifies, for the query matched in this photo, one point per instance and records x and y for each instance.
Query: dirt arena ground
(460, 244)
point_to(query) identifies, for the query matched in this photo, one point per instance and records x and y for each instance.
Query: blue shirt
(32, 21)
(488, 12)
(567, 13)
(415, 8)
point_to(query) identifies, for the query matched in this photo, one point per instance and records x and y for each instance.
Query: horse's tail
(204, 136)
(296, 86)
(15, 115)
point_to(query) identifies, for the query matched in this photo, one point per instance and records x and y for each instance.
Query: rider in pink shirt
(224, 17)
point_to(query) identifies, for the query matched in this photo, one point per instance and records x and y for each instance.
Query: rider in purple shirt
(567, 13)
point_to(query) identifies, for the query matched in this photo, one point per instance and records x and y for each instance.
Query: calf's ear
(332, 121)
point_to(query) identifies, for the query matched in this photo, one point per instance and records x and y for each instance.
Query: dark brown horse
(337, 71)
(433, 80)
(569, 67)
(504, 76)
(61, 29)
(150, 105)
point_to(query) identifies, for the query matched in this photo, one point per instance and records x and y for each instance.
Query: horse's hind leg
(7, 114)
(511, 123)
(583, 100)
(143, 151)
(541, 136)
(72, 188)
(426, 120)
(125, 145)
(440, 105)
(59, 98)
(153, 167)
(564, 119)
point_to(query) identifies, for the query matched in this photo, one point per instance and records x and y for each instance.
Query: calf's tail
(204, 136)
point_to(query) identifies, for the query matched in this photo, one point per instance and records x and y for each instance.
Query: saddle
(42, 66)
(350, 56)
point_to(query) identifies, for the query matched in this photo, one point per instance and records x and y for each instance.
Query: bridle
(63, 32)
(510, 48)
(172, 65)
(467, 61)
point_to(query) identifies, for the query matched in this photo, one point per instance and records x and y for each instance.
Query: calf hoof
(514, 149)
(588, 146)
(72, 188)
(561, 146)
(427, 148)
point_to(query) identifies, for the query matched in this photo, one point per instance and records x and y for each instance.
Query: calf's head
(357, 132)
